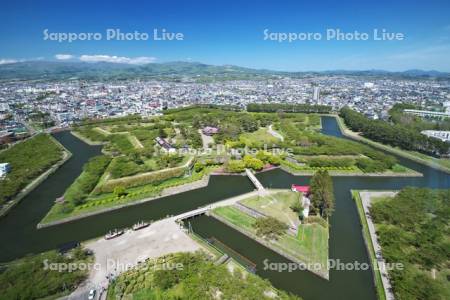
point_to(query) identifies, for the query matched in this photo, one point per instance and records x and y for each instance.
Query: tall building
(316, 95)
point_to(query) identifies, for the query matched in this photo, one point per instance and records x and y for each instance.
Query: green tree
(322, 196)
(269, 228)
(235, 166)
(253, 163)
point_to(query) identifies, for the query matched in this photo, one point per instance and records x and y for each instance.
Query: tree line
(395, 135)
(295, 108)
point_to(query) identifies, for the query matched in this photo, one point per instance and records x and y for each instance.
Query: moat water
(20, 237)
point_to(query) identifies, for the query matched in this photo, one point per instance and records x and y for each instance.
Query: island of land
(30, 163)
(146, 158)
(406, 234)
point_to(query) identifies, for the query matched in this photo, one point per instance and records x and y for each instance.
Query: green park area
(401, 135)
(412, 229)
(134, 166)
(28, 160)
(198, 278)
(276, 223)
(39, 277)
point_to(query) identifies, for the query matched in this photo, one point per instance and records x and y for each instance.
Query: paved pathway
(275, 134)
(206, 140)
(258, 185)
(366, 197)
(113, 257)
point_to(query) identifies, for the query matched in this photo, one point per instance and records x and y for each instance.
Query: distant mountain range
(54, 70)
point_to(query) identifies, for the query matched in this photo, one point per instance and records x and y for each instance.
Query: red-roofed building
(305, 202)
(305, 189)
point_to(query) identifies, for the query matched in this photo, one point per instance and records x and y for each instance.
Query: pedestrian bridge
(203, 210)
(255, 181)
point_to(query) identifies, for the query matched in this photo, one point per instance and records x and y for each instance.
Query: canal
(346, 241)
(20, 237)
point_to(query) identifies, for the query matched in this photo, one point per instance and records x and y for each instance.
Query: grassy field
(397, 169)
(277, 206)
(236, 217)
(110, 200)
(310, 245)
(365, 230)
(258, 138)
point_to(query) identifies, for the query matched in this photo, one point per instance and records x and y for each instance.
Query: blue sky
(232, 32)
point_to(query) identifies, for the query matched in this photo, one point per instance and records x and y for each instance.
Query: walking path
(366, 198)
(206, 140)
(258, 185)
(275, 134)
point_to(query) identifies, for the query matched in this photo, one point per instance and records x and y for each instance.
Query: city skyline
(246, 35)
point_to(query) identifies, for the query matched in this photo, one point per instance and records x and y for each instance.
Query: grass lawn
(310, 245)
(277, 206)
(102, 131)
(109, 200)
(259, 137)
(236, 217)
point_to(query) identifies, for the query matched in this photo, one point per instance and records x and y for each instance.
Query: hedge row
(145, 178)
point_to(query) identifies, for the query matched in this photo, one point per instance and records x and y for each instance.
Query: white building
(369, 85)
(5, 168)
(438, 134)
(427, 113)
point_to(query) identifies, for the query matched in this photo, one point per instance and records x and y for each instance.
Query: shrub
(235, 166)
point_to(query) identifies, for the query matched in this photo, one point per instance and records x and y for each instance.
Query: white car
(91, 295)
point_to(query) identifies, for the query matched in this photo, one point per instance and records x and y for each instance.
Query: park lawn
(121, 142)
(259, 137)
(110, 200)
(133, 140)
(309, 246)
(313, 121)
(276, 205)
(236, 217)
(102, 131)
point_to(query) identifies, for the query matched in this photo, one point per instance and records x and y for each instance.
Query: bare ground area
(113, 257)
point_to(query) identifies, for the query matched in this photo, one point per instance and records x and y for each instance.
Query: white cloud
(63, 56)
(118, 59)
(7, 61)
